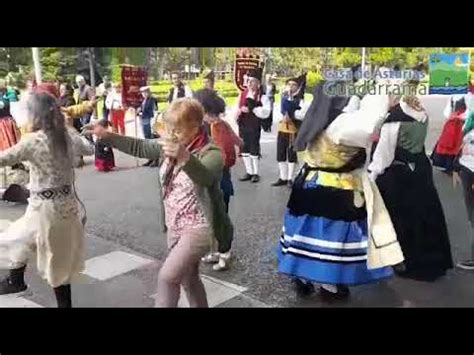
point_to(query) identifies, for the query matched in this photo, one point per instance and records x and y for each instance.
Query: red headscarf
(49, 88)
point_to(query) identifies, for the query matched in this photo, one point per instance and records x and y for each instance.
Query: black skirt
(417, 215)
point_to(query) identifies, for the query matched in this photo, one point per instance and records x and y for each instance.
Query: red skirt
(9, 133)
(104, 164)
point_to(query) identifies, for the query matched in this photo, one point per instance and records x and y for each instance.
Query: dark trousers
(146, 128)
(250, 131)
(285, 151)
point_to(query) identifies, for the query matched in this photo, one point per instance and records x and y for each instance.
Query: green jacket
(203, 168)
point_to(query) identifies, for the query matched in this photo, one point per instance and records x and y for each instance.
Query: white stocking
(283, 170)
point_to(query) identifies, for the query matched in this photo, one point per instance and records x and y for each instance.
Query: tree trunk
(161, 51)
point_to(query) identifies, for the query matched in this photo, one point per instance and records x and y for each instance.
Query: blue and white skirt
(324, 237)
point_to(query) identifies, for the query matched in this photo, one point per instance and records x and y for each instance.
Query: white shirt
(114, 101)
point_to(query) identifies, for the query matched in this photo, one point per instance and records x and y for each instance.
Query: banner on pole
(246, 59)
(449, 73)
(133, 78)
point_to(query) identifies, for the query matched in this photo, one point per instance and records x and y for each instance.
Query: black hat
(300, 80)
(255, 73)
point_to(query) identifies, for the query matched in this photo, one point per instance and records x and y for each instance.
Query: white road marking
(10, 301)
(113, 264)
(217, 291)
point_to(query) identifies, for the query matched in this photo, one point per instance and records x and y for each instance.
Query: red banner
(133, 78)
(246, 60)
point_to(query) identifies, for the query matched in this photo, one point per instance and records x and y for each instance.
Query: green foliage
(58, 63)
(346, 57)
(160, 89)
(312, 79)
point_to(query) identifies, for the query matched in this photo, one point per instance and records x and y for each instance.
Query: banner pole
(136, 131)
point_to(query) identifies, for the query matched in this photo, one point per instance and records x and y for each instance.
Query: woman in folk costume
(449, 143)
(464, 173)
(337, 231)
(253, 107)
(192, 207)
(104, 153)
(405, 179)
(51, 225)
(10, 135)
(291, 109)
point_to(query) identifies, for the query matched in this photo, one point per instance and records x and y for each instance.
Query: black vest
(181, 93)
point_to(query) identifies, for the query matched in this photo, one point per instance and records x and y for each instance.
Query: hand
(244, 109)
(174, 150)
(456, 179)
(99, 131)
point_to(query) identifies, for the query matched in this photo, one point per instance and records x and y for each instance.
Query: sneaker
(7, 287)
(466, 265)
(255, 178)
(246, 177)
(211, 258)
(280, 182)
(303, 288)
(221, 265)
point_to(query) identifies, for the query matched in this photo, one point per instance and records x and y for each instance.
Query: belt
(53, 193)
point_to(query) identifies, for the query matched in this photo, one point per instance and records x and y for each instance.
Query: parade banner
(133, 78)
(246, 59)
(449, 73)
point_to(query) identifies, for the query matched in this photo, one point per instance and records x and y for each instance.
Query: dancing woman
(337, 231)
(194, 212)
(51, 225)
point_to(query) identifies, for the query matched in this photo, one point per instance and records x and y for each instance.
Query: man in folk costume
(270, 90)
(337, 231)
(291, 109)
(253, 107)
(179, 89)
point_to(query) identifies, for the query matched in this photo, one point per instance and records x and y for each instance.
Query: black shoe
(342, 293)
(255, 178)
(290, 183)
(63, 296)
(280, 182)
(148, 163)
(15, 283)
(246, 177)
(303, 288)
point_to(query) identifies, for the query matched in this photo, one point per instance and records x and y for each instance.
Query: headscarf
(322, 111)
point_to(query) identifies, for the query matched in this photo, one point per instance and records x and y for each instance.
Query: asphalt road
(122, 208)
